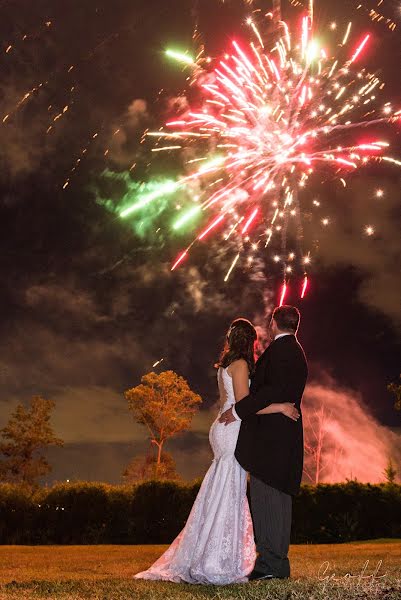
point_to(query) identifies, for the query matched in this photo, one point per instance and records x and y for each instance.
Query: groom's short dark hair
(287, 317)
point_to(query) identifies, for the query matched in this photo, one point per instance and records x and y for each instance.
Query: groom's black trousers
(271, 514)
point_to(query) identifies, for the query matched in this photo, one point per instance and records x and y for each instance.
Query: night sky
(88, 301)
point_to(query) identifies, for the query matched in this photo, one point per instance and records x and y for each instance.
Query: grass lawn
(105, 573)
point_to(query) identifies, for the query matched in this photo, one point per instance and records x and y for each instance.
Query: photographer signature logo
(363, 578)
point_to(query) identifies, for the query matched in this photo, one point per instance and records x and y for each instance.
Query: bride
(217, 545)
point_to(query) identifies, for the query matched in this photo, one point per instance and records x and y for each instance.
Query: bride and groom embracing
(258, 430)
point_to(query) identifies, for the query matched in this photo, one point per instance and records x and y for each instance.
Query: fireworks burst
(272, 113)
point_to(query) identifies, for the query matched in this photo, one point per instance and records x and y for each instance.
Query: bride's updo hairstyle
(240, 343)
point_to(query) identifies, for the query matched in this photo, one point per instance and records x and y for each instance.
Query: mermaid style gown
(216, 545)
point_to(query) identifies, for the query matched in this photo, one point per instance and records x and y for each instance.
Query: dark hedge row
(154, 512)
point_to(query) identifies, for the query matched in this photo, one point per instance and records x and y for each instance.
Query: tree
(390, 472)
(322, 453)
(165, 404)
(395, 388)
(144, 468)
(27, 434)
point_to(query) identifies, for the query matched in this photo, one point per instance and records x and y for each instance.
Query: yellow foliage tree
(165, 404)
(25, 438)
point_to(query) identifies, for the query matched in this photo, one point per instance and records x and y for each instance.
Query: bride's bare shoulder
(238, 366)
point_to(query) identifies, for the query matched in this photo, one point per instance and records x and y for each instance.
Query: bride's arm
(240, 375)
(287, 408)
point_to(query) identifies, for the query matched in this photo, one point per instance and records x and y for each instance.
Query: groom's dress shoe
(258, 576)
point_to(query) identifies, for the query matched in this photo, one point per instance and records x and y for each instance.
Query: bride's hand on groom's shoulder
(289, 410)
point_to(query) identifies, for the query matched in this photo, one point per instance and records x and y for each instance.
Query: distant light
(333, 25)
(369, 230)
(325, 221)
(276, 258)
(379, 193)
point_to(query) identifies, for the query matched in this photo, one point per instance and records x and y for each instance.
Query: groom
(270, 446)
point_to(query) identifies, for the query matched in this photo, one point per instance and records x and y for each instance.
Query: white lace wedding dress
(216, 545)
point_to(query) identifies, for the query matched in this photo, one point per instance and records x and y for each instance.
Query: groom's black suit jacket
(271, 446)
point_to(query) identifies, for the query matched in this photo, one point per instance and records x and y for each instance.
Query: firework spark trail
(375, 13)
(21, 40)
(67, 75)
(304, 286)
(272, 118)
(230, 270)
(62, 70)
(283, 294)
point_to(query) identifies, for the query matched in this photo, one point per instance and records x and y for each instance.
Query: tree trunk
(159, 453)
(159, 457)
